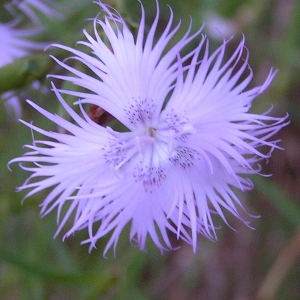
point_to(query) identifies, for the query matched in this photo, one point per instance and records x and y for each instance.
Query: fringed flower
(189, 140)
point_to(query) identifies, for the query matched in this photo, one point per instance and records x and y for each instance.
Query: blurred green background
(246, 264)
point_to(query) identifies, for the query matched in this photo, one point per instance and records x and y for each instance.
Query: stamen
(112, 132)
(142, 141)
(189, 128)
(122, 163)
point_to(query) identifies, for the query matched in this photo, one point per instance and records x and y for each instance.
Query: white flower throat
(151, 148)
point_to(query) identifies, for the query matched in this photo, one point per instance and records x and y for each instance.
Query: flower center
(147, 152)
(142, 141)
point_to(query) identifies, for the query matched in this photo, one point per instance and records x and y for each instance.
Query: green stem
(24, 71)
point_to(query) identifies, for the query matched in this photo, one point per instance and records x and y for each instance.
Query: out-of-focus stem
(280, 269)
(24, 71)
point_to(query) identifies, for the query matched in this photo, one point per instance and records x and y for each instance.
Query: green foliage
(24, 71)
(34, 266)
